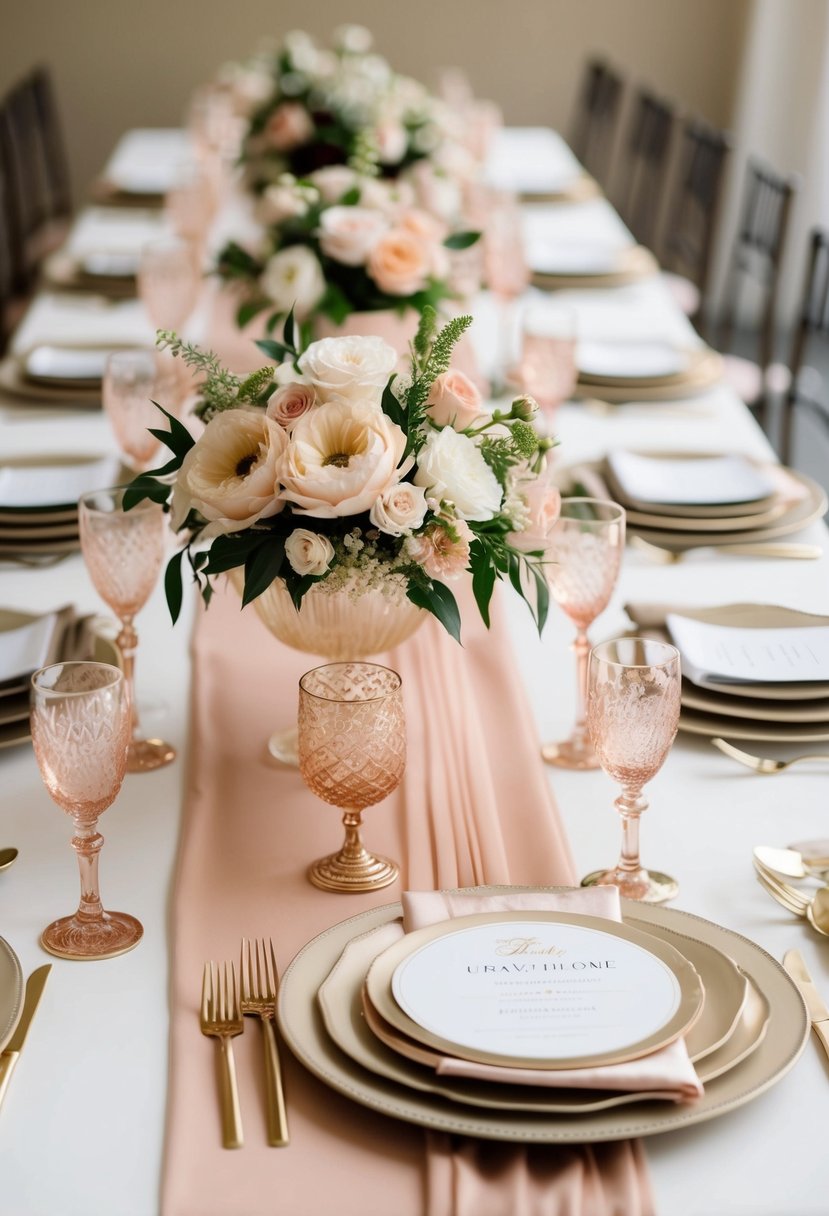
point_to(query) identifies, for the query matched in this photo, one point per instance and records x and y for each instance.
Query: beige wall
(125, 63)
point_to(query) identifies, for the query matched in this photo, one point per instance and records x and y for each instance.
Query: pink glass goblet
(633, 705)
(123, 551)
(133, 381)
(547, 370)
(169, 281)
(352, 753)
(80, 731)
(505, 269)
(585, 553)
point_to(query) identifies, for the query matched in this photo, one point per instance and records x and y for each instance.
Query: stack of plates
(362, 1007)
(762, 712)
(31, 640)
(103, 250)
(679, 500)
(145, 165)
(537, 165)
(644, 371)
(39, 500)
(574, 264)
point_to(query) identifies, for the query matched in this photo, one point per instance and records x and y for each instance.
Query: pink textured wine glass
(123, 551)
(80, 731)
(547, 370)
(352, 753)
(168, 281)
(585, 553)
(505, 268)
(133, 381)
(632, 715)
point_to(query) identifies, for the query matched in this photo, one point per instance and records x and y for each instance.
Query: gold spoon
(788, 862)
(7, 858)
(762, 764)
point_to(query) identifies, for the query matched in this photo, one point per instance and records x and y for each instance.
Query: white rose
(390, 138)
(348, 234)
(341, 458)
(400, 509)
(308, 552)
(450, 466)
(333, 181)
(349, 369)
(293, 278)
(230, 474)
(281, 202)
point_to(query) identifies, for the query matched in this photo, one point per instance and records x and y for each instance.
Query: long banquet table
(82, 1127)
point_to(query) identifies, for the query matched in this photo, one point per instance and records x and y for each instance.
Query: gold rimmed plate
(703, 371)
(546, 990)
(12, 992)
(304, 1032)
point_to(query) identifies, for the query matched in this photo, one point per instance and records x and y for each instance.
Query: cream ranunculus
(453, 401)
(230, 474)
(308, 552)
(401, 509)
(341, 458)
(348, 234)
(450, 467)
(349, 369)
(293, 278)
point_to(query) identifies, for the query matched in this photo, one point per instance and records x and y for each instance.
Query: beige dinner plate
(707, 702)
(62, 270)
(632, 264)
(9, 548)
(304, 1032)
(666, 515)
(752, 730)
(730, 1028)
(676, 365)
(737, 522)
(12, 992)
(38, 531)
(744, 616)
(688, 1008)
(704, 370)
(14, 383)
(52, 512)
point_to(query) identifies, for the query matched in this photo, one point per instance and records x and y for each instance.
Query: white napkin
(149, 160)
(530, 160)
(108, 240)
(82, 320)
(55, 485)
(25, 648)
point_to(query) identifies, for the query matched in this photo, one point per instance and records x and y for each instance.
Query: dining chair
(755, 266)
(22, 181)
(52, 145)
(596, 119)
(687, 240)
(642, 174)
(807, 387)
(9, 247)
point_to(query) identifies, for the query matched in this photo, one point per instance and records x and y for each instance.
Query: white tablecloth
(83, 1122)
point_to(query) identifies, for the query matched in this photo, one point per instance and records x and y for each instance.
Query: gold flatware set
(226, 1000)
(813, 907)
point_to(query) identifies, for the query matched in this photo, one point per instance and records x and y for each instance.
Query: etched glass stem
(127, 643)
(87, 843)
(630, 804)
(581, 649)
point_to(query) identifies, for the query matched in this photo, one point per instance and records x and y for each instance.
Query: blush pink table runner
(474, 808)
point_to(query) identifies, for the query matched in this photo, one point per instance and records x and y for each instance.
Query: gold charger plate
(743, 616)
(730, 1030)
(751, 730)
(704, 701)
(704, 370)
(381, 976)
(304, 1032)
(632, 264)
(14, 384)
(12, 992)
(581, 189)
(63, 271)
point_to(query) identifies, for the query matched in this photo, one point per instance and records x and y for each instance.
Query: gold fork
(221, 1017)
(815, 909)
(762, 764)
(257, 968)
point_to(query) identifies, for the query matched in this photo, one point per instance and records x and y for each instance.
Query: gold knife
(818, 1012)
(11, 1054)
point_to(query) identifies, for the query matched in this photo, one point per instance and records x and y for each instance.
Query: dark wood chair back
(596, 120)
(694, 209)
(11, 272)
(643, 172)
(757, 258)
(807, 387)
(51, 145)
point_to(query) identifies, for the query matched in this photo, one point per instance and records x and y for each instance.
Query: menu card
(729, 654)
(536, 990)
(707, 480)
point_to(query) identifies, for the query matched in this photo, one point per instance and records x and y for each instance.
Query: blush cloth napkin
(667, 1073)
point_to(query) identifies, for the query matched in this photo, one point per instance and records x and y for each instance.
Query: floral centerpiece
(309, 107)
(330, 470)
(338, 243)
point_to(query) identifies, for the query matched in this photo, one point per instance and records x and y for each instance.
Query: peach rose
(453, 401)
(289, 126)
(400, 263)
(348, 234)
(289, 403)
(341, 458)
(542, 503)
(422, 224)
(308, 552)
(442, 555)
(230, 474)
(400, 510)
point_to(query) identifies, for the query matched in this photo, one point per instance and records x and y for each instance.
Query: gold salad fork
(762, 764)
(257, 968)
(221, 1017)
(815, 909)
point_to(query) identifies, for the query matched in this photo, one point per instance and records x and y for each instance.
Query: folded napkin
(81, 320)
(667, 1073)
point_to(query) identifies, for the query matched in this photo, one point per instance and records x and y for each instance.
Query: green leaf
(483, 580)
(288, 331)
(262, 566)
(461, 240)
(178, 439)
(392, 408)
(144, 487)
(250, 309)
(542, 596)
(231, 550)
(351, 197)
(298, 589)
(439, 600)
(274, 350)
(173, 588)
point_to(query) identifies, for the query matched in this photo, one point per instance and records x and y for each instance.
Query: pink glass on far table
(547, 368)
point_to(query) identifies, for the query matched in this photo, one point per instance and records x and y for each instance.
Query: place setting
(103, 250)
(582, 245)
(144, 166)
(39, 501)
(618, 372)
(537, 166)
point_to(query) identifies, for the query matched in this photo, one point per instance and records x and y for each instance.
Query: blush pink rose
(290, 402)
(442, 555)
(453, 401)
(400, 263)
(348, 234)
(289, 126)
(422, 224)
